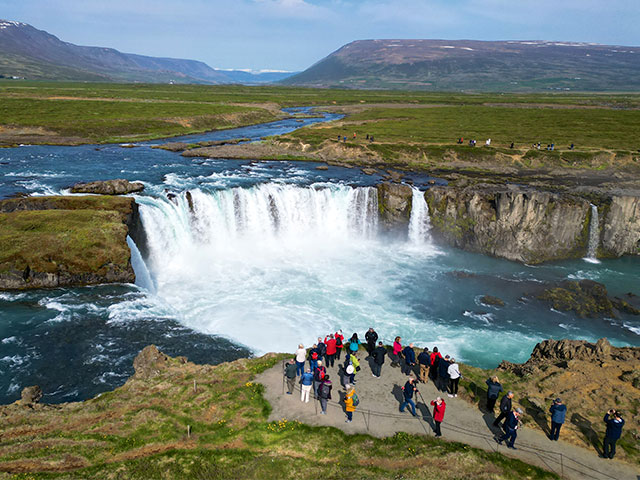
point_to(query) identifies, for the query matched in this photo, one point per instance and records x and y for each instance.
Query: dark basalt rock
(495, 301)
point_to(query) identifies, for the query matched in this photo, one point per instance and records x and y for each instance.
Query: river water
(269, 254)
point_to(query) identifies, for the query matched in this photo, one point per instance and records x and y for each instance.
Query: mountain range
(26, 52)
(476, 65)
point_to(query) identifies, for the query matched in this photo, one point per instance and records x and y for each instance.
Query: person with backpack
(558, 412)
(409, 359)
(443, 373)
(290, 375)
(339, 344)
(493, 391)
(511, 425)
(407, 391)
(324, 392)
(378, 360)
(347, 371)
(318, 377)
(435, 360)
(424, 362)
(505, 408)
(371, 337)
(439, 406)
(322, 349)
(351, 401)
(330, 354)
(454, 377)
(397, 348)
(614, 422)
(314, 356)
(301, 355)
(306, 380)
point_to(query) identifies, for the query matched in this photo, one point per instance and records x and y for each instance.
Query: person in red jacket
(439, 407)
(339, 343)
(330, 354)
(435, 359)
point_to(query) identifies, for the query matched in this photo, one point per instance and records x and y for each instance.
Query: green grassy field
(139, 431)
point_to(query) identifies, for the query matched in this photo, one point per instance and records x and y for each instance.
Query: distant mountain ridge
(35, 54)
(476, 65)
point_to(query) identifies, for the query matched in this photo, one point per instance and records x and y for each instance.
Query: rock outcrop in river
(514, 223)
(118, 186)
(48, 242)
(394, 205)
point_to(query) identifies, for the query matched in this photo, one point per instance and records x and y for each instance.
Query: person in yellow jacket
(350, 402)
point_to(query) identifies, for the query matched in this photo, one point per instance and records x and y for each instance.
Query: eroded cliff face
(513, 223)
(620, 233)
(394, 205)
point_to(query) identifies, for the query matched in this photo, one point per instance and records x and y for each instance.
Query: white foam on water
(486, 318)
(274, 265)
(632, 328)
(143, 277)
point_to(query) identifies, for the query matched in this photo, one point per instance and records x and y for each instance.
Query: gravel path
(378, 414)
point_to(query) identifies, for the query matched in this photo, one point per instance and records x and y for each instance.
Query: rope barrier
(545, 456)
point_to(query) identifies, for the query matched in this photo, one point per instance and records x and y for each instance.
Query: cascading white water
(594, 236)
(419, 223)
(143, 277)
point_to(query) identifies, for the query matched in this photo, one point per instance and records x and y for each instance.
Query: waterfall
(594, 236)
(143, 277)
(419, 223)
(272, 214)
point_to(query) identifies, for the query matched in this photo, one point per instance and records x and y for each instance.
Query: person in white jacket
(488, 142)
(454, 378)
(301, 355)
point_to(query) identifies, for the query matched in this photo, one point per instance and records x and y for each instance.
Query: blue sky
(293, 34)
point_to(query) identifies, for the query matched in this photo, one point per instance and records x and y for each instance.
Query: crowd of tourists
(309, 369)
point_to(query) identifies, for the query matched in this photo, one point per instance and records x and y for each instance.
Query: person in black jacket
(409, 359)
(378, 360)
(408, 391)
(614, 422)
(443, 373)
(371, 337)
(511, 428)
(493, 391)
(324, 392)
(424, 361)
(505, 408)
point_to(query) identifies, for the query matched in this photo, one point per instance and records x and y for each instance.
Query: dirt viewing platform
(378, 415)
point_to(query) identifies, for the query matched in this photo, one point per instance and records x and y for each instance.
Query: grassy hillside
(159, 426)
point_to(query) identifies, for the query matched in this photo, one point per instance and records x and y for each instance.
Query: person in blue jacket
(614, 422)
(558, 412)
(407, 392)
(409, 359)
(511, 428)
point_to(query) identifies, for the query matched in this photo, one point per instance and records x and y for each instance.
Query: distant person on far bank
(371, 337)
(290, 374)
(409, 359)
(407, 391)
(439, 407)
(487, 143)
(424, 362)
(505, 408)
(558, 412)
(378, 360)
(511, 146)
(614, 422)
(493, 391)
